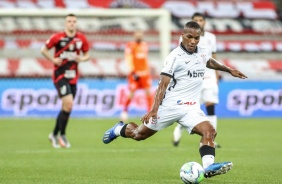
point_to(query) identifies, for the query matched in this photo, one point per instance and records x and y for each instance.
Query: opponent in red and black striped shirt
(67, 51)
(71, 47)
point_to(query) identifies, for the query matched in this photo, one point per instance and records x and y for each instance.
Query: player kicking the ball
(177, 99)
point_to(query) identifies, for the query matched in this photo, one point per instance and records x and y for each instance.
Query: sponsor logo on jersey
(71, 47)
(70, 55)
(78, 44)
(195, 74)
(180, 102)
(62, 44)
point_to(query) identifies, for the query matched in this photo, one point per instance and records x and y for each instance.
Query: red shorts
(143, 82)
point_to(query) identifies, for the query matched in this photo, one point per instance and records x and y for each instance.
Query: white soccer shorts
(187, 117)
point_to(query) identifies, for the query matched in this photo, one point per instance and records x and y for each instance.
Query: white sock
(213, 120)
(207, 160)
(117, 130)
(177, 133)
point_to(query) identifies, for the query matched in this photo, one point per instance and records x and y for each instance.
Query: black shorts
(64, 88)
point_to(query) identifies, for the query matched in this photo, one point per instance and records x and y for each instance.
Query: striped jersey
(67, 48)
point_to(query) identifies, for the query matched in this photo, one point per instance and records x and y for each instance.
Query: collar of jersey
(65, 34)
(183, 48)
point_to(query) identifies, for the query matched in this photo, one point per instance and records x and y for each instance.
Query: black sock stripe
(207, 150)
(122, 131)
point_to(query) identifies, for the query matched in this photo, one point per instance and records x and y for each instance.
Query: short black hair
(198, 14)
(192, 24)
(70, 15)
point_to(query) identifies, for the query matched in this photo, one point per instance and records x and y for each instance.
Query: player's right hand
(57, 61)
(237, 73)
(146, 117)
(135, 76)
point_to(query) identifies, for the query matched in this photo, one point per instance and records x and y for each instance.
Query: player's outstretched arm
(214, 64)
(158, 99)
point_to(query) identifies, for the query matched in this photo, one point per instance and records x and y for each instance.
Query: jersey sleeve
(51, 42)
(213, 44)
(128, 57)
(85, 44)
(169, 66)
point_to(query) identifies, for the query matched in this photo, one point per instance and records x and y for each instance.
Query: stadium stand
(249, 34)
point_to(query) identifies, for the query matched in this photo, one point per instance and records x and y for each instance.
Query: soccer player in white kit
(209, 93)
(177, 99)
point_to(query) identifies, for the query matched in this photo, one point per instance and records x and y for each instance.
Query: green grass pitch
(26, 155)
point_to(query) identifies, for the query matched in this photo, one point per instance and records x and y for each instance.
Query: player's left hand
(78, 59)
(152, 114)
(237, 73)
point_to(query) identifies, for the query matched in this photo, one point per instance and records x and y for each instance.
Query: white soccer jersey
(208, 40)
(186, 71)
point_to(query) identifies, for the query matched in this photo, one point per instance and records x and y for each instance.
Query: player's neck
(70, 33)
(203, 33)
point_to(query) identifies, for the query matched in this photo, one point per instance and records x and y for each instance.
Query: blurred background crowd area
(249, 34)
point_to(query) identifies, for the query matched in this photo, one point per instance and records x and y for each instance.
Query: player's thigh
(67, 100)
(192, 118)
(64, 88)
(166, 116)
(132, 84)
(210, 95)
(73, 90)
(145, 82)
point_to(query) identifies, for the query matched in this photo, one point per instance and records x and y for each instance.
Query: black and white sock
(207, 154)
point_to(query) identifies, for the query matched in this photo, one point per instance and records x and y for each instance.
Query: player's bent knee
(210, 133)
(67, 106)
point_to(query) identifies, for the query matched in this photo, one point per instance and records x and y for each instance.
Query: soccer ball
(192, 173)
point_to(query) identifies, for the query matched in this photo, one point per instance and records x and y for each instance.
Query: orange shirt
(136, 55)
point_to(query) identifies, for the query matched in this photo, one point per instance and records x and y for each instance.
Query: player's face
(138, 36)
(201, 21)
(190, 38)
(70, 23)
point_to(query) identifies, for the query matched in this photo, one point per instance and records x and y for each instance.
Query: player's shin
(57, 126)
(126, 104)
(128, 130)
(64, 121)
(60, 122)
(207, 153)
